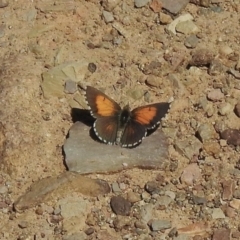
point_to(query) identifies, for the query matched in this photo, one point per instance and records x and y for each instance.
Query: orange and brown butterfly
(114, 125)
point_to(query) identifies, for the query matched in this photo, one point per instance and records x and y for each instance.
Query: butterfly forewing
(100, 104)
(150, 115)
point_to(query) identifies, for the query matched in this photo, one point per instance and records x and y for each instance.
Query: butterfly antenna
(114, 88)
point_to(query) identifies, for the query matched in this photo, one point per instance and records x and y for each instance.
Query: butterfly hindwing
(133, 134)
(106, 129)
(100, 104)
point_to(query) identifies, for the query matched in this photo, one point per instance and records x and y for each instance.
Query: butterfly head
(126, 108)
(124, 116)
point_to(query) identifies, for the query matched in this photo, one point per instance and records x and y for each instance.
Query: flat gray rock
(85, 155)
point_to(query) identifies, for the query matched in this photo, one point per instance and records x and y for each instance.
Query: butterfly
(116, 125)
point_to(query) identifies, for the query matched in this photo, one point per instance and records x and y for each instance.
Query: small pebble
(92, 67)
(145, 196)
(210, 110)
(120, 222)
(215, 67)
(229, 211)
(219, 126)
(126, 21)
(89, 231)
(212, 148)
(46, 116)
(3, 205)
(215, 95)
(158, 225)
(221, 234)
(156, 6)
(225, 108)
(225, 50)
(39, 211)
(223, 142)
(171, 194)
(164, 18)
(120, 205)
(133, 197)
(232, 136)
(146, 212)
(237, 109)
(90, 219)
(236, 234)
(108, 16)
(75, 236)
(23, 224)
(160, 179)
(189, 146)
(3, 3)
(235, 203)
(206, 132)
(153, 81)
(122, 186)
(238, 64)
(201, 57)
(3, 189)
(2, 30)
(115, 188)
(140, 3)
(237, 194)
(173, 232)
(154, 67)
(55, 219)
(70, 87)
(187, 27)
(152, 187)
(217, 213)
(234, 72)
(90, 45)
(12, 215)
(191, 174)
(216, 9)
(140, 224)
(174, 7)
(199, 200)
(135, 93)
(164, 201)
(47, 208)
(107, 38)
(191, 41)
(202, 3)
(117, 40)
(109, 5)
(57, 211)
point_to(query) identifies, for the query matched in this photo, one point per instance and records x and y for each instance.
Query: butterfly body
(114, 125)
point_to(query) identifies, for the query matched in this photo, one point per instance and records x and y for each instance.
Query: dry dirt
(34, 128)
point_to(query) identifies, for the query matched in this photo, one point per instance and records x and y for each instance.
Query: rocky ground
(136, 51)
